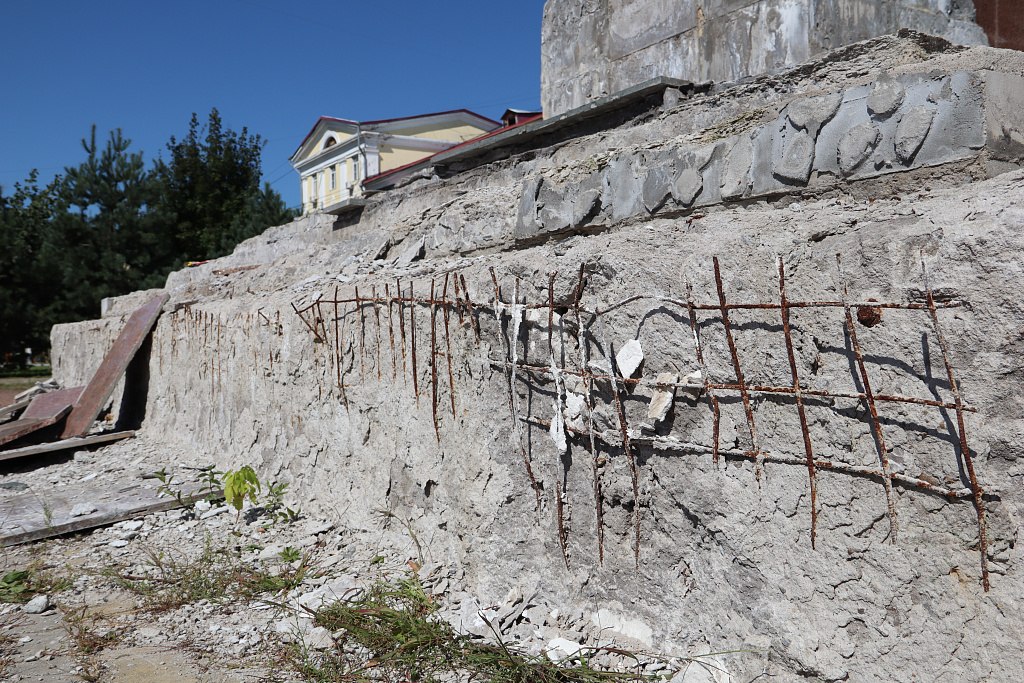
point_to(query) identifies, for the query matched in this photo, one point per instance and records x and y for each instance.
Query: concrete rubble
(901, 154)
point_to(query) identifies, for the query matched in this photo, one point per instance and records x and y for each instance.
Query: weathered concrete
(725, 559)
(595, 48)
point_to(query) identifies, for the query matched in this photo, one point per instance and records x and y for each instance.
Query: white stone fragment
(634, 629)
(37, 605)
(661, 401)
(83, 509)
(562, 648)
(629, 357)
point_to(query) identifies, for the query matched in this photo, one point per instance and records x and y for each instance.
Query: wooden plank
(64, 445)
(33, 516)
(7, 411)
(114, 364)
(15, 430)
(51, 403)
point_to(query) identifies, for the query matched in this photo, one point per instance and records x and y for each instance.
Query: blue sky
(269, 65)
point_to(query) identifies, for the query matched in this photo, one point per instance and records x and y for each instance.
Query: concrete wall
(595, 48)
(746, 173)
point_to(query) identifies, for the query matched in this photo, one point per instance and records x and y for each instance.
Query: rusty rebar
(433, 362)
(744, 393)
(362, 337)
(676, 445)
(976, 490)
(869, 398)
(469, 305)
(341, 356)
(316, 335)
(448, 343)
(391, 330)
(458, 299)
(377, 329)
(510, 355)
(401, 327)
(804, 430)
(588, 401)
(412, 340)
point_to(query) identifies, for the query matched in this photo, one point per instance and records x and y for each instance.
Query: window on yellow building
(333, 178)
(355, 168)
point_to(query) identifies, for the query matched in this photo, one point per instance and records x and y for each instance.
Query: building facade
(337, 155)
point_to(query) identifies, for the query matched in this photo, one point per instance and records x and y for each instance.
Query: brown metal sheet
(127, 344)
(51, 403)
(15, 430)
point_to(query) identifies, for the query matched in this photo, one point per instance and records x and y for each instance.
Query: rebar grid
(589, 331)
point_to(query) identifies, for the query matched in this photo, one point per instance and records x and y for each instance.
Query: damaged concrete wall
(596, 48)
(698, 555)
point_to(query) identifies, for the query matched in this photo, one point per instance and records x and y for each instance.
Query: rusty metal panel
(51, 403)
(25, 426)
(114, 364)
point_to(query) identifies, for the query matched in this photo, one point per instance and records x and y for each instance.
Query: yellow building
(338, 155)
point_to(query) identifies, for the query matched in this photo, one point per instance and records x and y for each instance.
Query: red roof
(461, 144)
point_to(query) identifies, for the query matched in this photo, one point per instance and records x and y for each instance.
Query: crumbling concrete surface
(901, 155)
(598, 47)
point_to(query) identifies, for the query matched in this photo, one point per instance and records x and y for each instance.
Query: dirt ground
(12, 386)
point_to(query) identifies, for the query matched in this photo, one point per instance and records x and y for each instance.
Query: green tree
(210, 190)
(25, 288)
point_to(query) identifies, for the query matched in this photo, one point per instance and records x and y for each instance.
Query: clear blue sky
(269, 65)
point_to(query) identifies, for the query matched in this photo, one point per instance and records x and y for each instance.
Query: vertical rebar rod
(744, 392)
(448, 342)
(510, 374)
(563, 536)
(977, 492)
(798, 395)
(469, 304)
(433, 361)
(412, 339)
(401, 326)
(362, 337)
(391, 330)
(337, 345)
(588, 402)
(869, 397)
(377, 329)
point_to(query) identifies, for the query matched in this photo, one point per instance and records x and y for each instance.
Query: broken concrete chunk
(606, 620)
(661, 401)
(693, 385)
(811, 113)
(736, 174)
(797, 157)
(688, 185)
(413, 252)
(82, 509)
(381, 252)
(912, 131)
(857, 145)
(560, 649)
(885, 98)
(629, 358)
(656, 189)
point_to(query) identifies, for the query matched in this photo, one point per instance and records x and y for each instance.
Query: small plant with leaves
(241, 484)
(211, 483)
(274, 504)
(171, 488)
(290, 554)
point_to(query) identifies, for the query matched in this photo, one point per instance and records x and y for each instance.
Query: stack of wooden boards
(67, 415)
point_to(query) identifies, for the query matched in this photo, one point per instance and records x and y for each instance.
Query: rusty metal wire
(585, 328)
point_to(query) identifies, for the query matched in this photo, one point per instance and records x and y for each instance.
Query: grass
(8, 624)
(88, 638)
(392, 633)
(217, 575)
